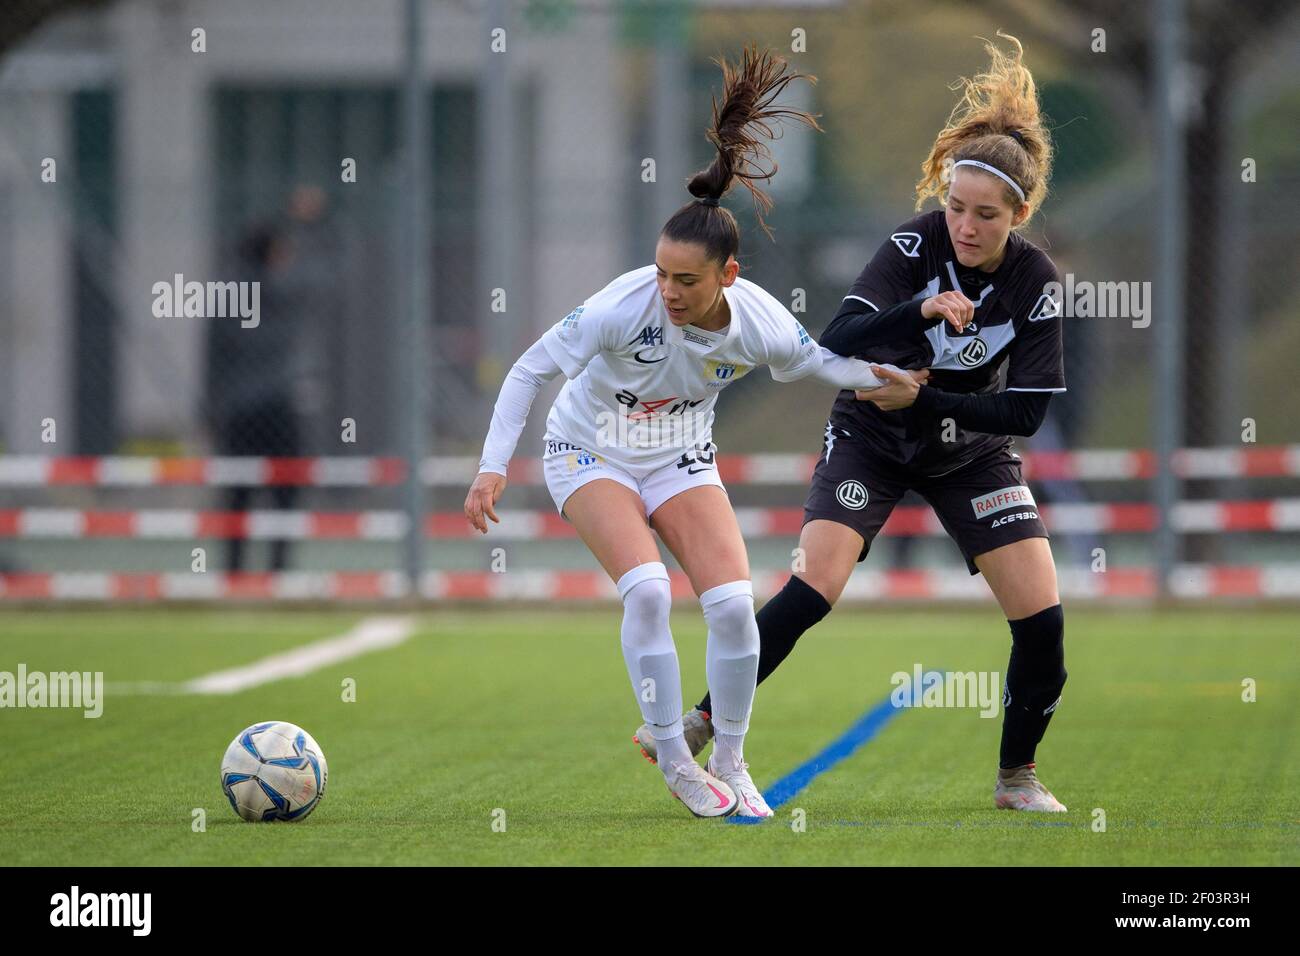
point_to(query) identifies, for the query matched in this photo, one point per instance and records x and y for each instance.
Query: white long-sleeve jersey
(641, 389)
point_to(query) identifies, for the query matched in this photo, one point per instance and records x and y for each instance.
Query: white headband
(995, 171)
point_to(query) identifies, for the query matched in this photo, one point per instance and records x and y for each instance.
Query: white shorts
(568, 467)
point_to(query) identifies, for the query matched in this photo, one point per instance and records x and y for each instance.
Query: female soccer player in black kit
(956, 290)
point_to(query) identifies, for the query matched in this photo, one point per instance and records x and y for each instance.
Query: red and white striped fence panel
(34, 471)
(137, 471)
(1189, 517)
(1189, 582)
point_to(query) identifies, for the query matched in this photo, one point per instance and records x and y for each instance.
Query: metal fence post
(415, 222)
(1169, 102)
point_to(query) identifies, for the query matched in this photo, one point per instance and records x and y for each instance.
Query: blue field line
(863, 730)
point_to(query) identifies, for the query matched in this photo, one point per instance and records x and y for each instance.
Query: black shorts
(982, 503)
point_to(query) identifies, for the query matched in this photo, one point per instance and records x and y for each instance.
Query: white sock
(731, 663)
(651, 658)
(728, 751)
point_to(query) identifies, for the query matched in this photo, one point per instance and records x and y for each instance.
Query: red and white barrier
(1189, 582)
(1277, 514)
(128, 472)
(34, 471)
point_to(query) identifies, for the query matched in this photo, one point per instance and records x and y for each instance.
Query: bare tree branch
(20, 18)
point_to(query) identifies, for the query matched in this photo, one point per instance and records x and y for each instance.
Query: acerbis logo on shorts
(1018, 516)
(852, 494)
(1002, 499)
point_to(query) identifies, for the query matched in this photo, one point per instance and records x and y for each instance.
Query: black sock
(797, 607)
(1035, 676)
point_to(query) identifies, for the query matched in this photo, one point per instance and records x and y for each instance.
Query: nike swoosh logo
(696, 471)
(638, 357)
(722, 801)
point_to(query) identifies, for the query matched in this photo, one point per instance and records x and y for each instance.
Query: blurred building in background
(217, 140)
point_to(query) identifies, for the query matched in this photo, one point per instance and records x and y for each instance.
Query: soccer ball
(273, 771)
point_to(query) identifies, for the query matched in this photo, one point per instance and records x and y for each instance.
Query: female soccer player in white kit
(628, 443)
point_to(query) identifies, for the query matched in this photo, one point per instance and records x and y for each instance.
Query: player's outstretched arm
(844, 372)
(800, 357)
(524, 380)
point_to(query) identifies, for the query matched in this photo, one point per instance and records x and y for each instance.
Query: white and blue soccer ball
(273, 771)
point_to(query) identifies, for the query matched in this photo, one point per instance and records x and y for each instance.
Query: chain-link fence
(202, 242)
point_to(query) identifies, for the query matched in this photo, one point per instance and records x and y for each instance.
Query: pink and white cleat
(1020, 789)
(704, 794)
(751, 800)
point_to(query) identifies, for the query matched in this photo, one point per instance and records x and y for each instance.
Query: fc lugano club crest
(973, 354)
(852, 495)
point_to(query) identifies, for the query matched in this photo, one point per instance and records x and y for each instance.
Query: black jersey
(1016, 328)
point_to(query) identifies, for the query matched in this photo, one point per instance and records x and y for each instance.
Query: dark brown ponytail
(746, 114)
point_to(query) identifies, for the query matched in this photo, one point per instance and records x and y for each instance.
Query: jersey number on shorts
(697, 456)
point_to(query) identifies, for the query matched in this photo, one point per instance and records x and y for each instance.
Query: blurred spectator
(251, 404)
(311, 281)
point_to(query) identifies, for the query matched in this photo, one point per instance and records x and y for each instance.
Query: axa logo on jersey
(651, 337)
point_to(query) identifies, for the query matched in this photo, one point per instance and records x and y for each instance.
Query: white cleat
(703, 794)
(747, 793)
(1020, 789)
(696, 728)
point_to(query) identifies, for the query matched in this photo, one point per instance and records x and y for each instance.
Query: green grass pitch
(529, 712)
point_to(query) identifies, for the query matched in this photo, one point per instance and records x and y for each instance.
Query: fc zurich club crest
(723, 372)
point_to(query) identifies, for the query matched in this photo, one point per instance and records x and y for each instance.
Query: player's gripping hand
(953, 307)
(900, 388)
(483, 494)
(919, 375)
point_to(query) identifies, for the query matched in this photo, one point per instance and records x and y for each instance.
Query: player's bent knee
(646, 595)
(830, 553)
(1038, 656)
(827, 582)
(729, 611)
(731, 657)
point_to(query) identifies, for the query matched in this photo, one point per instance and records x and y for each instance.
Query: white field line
(372, 634)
